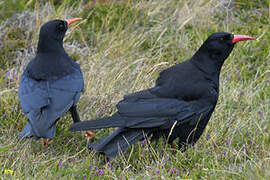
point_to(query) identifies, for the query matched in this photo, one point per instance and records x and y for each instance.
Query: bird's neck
(50, 45)
(208, 63)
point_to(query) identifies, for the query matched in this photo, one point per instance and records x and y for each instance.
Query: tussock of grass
(121, 47)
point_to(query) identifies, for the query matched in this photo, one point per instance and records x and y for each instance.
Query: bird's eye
(61, 27)
(227, 37)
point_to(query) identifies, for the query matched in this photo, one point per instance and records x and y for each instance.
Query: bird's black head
(52, 34)
(218, 47)
(54, 29)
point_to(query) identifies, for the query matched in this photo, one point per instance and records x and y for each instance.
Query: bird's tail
(119, 141)
(26, 132)
(106, 122)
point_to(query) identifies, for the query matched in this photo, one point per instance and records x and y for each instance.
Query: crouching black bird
(179, 106)
(51, 84)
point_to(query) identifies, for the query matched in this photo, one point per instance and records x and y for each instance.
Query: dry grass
(122, 50)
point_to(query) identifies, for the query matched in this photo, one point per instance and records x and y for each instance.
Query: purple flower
(157, 172)
(247, 134)
(91, 166)
(173, 170)
(11, 75)
(75, 159)
(8, 72)
(69, 140)
(100, 172)
(243, 148)
(143, 142)
(251, 141)
(4, 116)
(10, 81)
(214, 144)
(84, 177)
(60, 164)
(228, 142)
(109, 164)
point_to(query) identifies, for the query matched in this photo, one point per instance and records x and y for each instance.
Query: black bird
(51, 84)
(179, 106)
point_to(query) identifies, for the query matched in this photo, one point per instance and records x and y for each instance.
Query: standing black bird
(51, 84)
(179, 106)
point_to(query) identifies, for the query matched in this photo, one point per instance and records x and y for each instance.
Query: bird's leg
(46, 142)
(76, 118)
(106, 159)
(74, 114)
(173, 146)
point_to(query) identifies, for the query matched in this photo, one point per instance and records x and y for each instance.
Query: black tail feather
(118, 141)
(106, 122)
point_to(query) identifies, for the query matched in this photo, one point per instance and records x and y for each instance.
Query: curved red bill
(73, 20)
(237, 38)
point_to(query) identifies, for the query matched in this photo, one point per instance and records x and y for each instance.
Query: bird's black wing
(43, 102)
(145, 109)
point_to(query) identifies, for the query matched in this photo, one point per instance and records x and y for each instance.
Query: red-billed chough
(51, 84)
(179, 106)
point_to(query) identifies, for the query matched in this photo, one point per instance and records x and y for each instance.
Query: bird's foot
(173, 146)
(46, 142)
(106, 159)
(89, 135)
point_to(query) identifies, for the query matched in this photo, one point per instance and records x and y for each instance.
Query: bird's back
(44, 101)
(185, 81)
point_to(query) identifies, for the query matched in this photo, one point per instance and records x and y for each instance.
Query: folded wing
(146, 110)
(43, 102)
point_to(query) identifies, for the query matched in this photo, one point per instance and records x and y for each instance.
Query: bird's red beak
(70, 21)
(237, 38)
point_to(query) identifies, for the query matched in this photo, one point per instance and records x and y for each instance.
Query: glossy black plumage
(183, 101)
(50, 85)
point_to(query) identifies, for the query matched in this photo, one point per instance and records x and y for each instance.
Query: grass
(122, 46)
